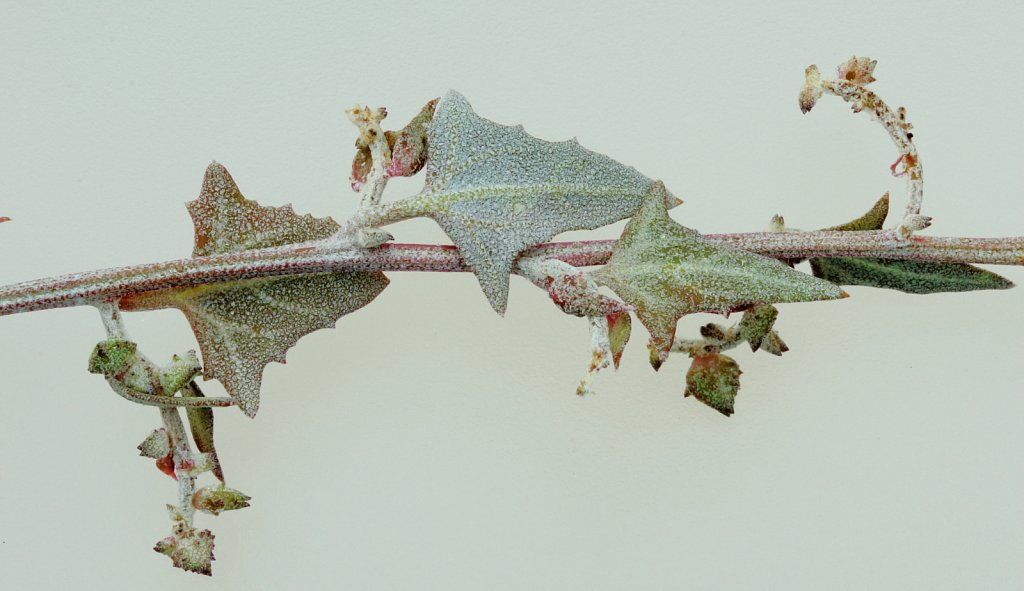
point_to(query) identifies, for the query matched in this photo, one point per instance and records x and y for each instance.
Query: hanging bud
(214, 499)
(811, 91)
(166, 465)
(409, 145)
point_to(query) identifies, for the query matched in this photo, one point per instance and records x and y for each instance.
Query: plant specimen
(262, 277)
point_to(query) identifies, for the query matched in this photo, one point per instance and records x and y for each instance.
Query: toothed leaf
(243, 325)
(495, 190)
(225, 221)
(919, 277)
(667, 271)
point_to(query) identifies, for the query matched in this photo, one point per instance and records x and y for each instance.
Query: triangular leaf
(667, 271)
(919, 277)
(495, 190)
(243, 325)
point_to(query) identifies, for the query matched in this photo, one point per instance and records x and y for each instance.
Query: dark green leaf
(918, 277)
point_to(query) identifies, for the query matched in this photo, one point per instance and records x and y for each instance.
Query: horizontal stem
(318, 257)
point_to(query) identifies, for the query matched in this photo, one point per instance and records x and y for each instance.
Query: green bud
(112, 357)
(214, 499)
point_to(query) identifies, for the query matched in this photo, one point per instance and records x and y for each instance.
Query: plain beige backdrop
(429, 444)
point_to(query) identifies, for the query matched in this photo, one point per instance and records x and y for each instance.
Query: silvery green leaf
(495, 190)
(667, 271)
(243, 325)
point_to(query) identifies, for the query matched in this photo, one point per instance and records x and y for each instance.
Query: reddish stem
(114, 284)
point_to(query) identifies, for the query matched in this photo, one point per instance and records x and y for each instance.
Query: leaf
(714, 380)
(495, 190)
(219, 498)
(225, 221)
(667, 271)
(757, 323)
(200, 422)
(872, 220)
(243, 325)
(619, 327)
(919, 277)
(189, 550)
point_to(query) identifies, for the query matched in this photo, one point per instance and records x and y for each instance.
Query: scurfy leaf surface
(242, 326)
(667, 271)
(918, 277)
(495, 190)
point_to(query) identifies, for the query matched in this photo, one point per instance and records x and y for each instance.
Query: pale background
(429, 444)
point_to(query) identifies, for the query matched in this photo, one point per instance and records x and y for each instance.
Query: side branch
(315, 257)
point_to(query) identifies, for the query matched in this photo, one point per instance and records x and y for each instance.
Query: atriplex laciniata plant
(262, 277)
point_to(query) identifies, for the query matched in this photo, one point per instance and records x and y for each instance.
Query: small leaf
(714, 380)
(243, 325)
(918, 277)
(112, 357)
(872, 220)
(619, 327)
(667, 271)
(756, 323)
(774, 344)
(200, 422)
(495, 190)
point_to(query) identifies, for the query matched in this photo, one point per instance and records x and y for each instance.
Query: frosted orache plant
(261, 277)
